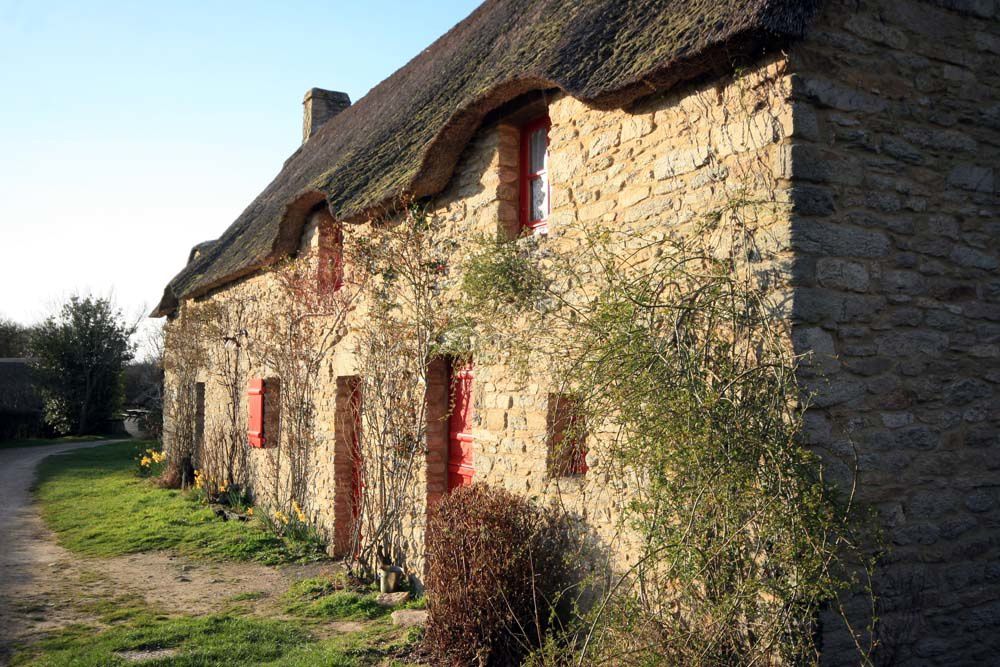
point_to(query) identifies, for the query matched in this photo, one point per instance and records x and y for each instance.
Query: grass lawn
(38, 442)
(98, 506)
(227, 638)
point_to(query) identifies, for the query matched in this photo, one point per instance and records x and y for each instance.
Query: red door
(460, 442)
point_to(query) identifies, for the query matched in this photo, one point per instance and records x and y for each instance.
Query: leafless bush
(230, 328)
(499, 573)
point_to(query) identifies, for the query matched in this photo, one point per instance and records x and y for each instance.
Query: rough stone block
(409, 617)
(833, 239)
(836, 95)
(842, 274)
(681, 162)
(812, 200)
(971, 177)
(811, 163)
(965, 256)
(392, 599)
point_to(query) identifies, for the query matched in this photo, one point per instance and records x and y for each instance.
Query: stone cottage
(877, 125)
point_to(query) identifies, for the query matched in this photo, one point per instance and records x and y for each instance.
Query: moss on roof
(405, 136)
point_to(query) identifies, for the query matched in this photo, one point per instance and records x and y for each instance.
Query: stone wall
(897, 292)
(660, 168)
(657, 168)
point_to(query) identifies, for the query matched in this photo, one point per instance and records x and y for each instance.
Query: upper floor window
(535, 175)
(331, 257)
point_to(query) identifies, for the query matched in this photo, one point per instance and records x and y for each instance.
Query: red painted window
(535, 176)
(460, 440)
(567, 437)
(331, 257)
(255, 420)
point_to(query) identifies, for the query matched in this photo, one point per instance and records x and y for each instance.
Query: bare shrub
(498, 573)
(229, 326)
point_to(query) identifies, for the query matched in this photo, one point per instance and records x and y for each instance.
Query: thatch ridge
(405, 136)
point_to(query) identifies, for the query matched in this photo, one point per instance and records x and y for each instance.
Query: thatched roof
(405, 136)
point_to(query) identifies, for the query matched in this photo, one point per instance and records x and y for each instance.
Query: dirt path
(44, 587)
(32, 566)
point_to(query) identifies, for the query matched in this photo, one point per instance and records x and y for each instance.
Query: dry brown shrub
(498, 575)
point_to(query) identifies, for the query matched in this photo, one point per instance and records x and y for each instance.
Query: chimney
(320, 106)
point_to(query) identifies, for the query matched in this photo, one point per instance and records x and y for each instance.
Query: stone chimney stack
(320, 106)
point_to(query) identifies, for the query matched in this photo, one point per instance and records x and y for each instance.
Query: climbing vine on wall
(679, 357)
(404, 262)
(185, 354)
(294, 342)
(230, 325)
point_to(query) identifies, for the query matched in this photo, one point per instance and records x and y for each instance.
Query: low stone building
(20, 402)
(871, 129)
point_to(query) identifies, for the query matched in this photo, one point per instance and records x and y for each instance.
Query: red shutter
(461, 445)
(255, 422)
(578, 449)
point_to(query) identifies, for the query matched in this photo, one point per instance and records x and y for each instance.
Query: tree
(80, 354)
(14, 338)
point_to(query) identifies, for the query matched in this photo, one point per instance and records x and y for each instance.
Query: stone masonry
(896, 239)
(876, 141)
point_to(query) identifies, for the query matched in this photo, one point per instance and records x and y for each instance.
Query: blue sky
(129, 131)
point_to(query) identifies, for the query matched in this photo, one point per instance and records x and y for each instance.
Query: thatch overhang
(404, 138)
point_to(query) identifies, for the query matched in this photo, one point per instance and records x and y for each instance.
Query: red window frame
(331, 257)
(255, 407)
(540, 226)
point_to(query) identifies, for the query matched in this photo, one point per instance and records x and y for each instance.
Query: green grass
(227, 638)
(38, 442)
(220, 639)
(249, 597)
(320, 598)
(98, 506)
